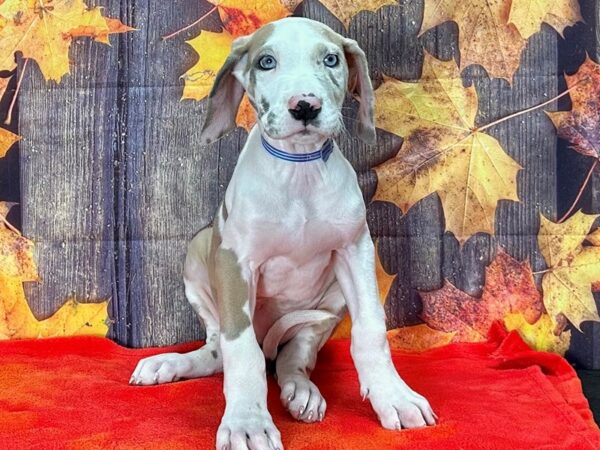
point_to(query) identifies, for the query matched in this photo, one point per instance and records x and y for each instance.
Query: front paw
(398, 406)
(248, 429)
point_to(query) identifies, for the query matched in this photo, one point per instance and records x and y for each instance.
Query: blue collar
(324, 152)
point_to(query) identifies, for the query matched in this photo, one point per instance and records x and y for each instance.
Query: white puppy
(289, 249)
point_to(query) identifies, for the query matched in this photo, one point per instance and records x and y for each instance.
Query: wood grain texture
(172, 184)
(67, 175)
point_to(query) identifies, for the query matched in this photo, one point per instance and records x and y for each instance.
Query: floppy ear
(226, 94)
(359, 86)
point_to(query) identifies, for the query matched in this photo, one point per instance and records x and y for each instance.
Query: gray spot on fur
(228, 285)
(265, 105)
(214, 354)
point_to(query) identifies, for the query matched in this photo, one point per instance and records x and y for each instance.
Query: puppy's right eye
(267, 62)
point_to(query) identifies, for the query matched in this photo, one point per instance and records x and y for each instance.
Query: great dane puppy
(289, 249)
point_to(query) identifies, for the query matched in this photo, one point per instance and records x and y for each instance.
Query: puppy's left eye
(331, 60)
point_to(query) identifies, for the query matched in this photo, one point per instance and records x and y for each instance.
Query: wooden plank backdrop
(114, 183)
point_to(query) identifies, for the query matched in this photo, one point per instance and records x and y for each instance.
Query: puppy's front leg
(246, 423)
(396, 404)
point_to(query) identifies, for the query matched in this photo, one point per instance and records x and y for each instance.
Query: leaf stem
(580, 193)
(532, 108)
(14, 99)
(169, 36)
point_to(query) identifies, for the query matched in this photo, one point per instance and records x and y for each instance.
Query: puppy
(289, 250)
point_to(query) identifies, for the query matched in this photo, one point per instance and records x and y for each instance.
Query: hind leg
(297, 359)
(207, 360)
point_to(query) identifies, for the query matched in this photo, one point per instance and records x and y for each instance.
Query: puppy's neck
(294, 147)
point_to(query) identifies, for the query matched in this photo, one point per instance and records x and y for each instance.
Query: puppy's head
(296, 73)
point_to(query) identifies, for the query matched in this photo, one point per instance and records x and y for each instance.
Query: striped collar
(324, 152)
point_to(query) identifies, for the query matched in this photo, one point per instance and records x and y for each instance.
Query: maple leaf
(344, 10)
(246, 116)
(16, 319)
(16, 251)
(73, 318)
(7, 139)
(418, 338)
(572, 268)
(240, 18)
(44, 29)
(581, 125)
(527, 15)
(509, 288)
(200, 77)
(4, 84)
(485, 37)
(384, 283)
(540, 335)
(442, 150)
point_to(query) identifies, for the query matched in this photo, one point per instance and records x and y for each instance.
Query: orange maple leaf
(581, 125)
(7, 139)
(418, 338)
(244, 17)
(509, 288)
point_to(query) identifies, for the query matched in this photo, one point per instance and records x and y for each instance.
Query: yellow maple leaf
(539, 335)
(73, 318)
(16, 319)
(344, 10)
(43, 30)
(7, 139)
(16, 251)
(572, 268)
(384, 283)
(212, 49)
(484, 35)
(527, 15)
(4, 83)
(442, 150)
(418, 338)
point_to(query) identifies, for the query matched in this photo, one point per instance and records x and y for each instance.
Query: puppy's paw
(248, 429)
(161, 369)
(303, 399)
(398, 406)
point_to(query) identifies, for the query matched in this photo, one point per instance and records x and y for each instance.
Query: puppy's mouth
(300, 131)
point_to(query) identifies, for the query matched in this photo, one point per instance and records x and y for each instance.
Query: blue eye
(267, 62)
(331, 60)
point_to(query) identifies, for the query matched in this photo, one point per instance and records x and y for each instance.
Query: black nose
(304, 111)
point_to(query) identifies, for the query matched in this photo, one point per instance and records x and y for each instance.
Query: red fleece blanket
(73, 393)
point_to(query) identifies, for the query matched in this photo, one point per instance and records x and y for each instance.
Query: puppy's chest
(299, 231)
(294, 256)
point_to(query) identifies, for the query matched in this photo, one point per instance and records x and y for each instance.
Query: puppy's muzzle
(304, 107)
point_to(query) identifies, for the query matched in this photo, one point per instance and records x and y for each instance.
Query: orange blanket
(72, 393)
